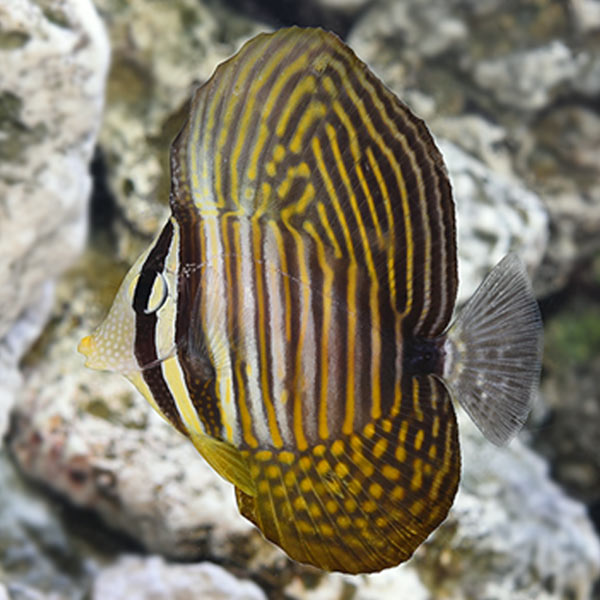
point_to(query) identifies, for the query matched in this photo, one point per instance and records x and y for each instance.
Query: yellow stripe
(416, 402)
(245, 417)
(341, 69)
(324, 355)
(299, 379)
(348, 425)
(262, 342)
(328, 230)
(302, 170)
(330, 188)
(374, 283)
(174, 379)
(314, 111)
(304, 87)
(247, 61)
(258, 143)
(391, 258)
(286, 280)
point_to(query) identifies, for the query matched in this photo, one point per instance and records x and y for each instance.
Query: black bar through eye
(143, 289)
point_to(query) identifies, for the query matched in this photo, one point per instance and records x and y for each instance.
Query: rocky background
(99, 499)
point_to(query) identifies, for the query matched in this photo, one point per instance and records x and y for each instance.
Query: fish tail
(493, 352)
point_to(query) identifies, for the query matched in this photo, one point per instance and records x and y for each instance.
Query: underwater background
(99, 498)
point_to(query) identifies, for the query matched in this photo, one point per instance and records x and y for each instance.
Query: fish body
(292, 318)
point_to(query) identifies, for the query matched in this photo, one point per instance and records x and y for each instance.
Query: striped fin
(296, 129)
(363, 502)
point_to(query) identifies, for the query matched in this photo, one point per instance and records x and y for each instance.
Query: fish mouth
(87, 347)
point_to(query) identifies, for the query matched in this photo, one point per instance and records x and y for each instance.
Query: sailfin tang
(493, 352)
(363, 502)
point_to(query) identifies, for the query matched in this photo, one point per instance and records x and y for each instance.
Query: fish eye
(158, 294)
(148, 290)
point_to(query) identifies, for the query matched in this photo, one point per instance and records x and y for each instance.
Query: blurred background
(99, 499)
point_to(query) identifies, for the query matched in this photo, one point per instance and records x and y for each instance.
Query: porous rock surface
(137, 578)
(53, 65)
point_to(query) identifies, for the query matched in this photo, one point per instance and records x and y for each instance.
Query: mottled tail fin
(493, 352)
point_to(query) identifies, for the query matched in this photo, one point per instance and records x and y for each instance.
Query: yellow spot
(305, 462)
(279, 153)
(290, 478)
(341, 470)
(327, 530)
(319, 450)
(263, 487)
(417, 479)
(419, 439)
(361, 523)
(386, 425)
(369, 506)
(432, 451)
(331, 506)
(343, 522)
(337, 448)
(381, 522)
(315, 510)
(403, 431)
(369, 430)
(400, 454)
(264, 455)
(323, 467)
(375, 490)
(398, 493)
(300, 503)
(306, 485)
(380, 447)
(417, 507)
(272, 471)
(350, 505)
(390, 472)
(287, 458)
(436, 426)
(428, 469)
(278, 491)
(365, 466)
(305, 527)
(355, 443)
(254, 471)
(270, 168)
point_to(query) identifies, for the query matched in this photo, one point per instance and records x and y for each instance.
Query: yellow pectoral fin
(226, 460)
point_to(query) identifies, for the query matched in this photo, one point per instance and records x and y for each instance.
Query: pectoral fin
(226, 460)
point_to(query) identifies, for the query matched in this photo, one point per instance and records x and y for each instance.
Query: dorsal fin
(295, 128)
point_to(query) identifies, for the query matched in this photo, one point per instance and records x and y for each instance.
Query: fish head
(138, 331)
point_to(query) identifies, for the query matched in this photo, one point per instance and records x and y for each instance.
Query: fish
(294, 316)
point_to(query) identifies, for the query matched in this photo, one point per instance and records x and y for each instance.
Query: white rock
(529, 79)
(495, 214)
(135, 578)
(52, 80)
(587, 14)
(511, 522)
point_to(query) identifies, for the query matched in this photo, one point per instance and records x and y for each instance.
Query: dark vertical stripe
(145, 329)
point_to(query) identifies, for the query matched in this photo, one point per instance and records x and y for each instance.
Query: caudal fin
(494, 350)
